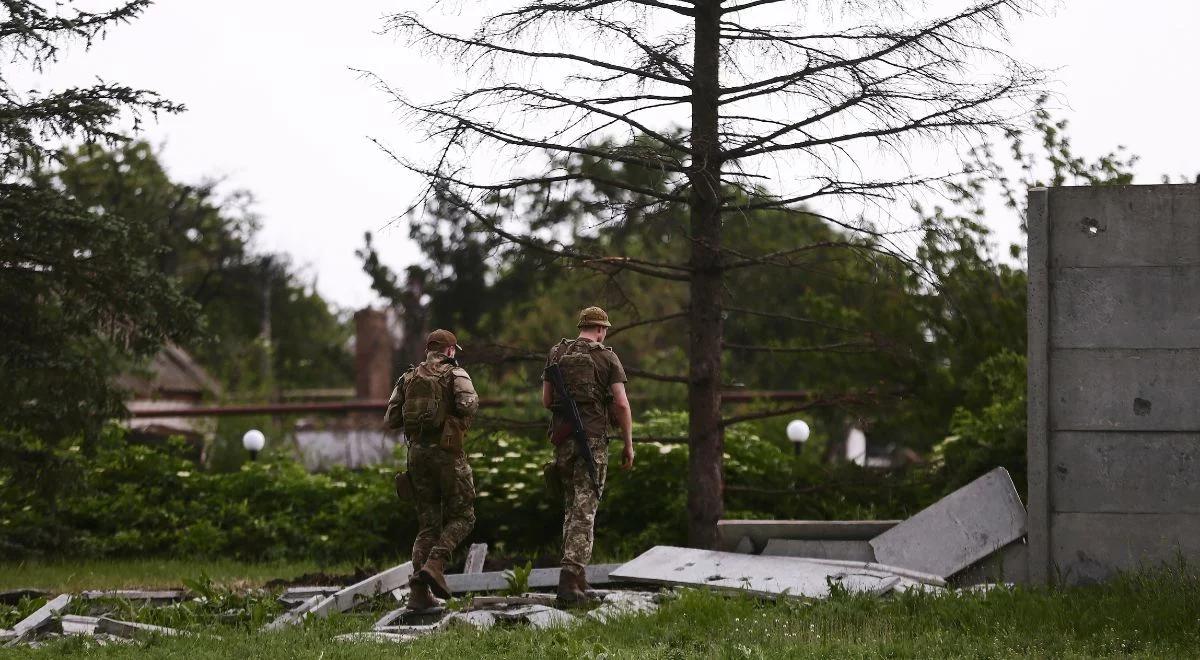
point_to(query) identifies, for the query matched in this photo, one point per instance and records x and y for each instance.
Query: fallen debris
(43, 620)
(618, 604)
(294, 616)
(375, 585)
(820, 549)
(731, 532)
(537, 616)
(161, 597)
(755, 574)
(297, 595)
(481, 619)
(507, 601)
(73, 624)
(539, 578)
(131, 630)
(957, 530)
(476, 555)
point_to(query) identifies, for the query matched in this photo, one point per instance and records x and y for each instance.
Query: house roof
(173, 371)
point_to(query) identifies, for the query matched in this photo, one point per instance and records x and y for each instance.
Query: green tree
(205, 246)
(82, 291)
(749, 93)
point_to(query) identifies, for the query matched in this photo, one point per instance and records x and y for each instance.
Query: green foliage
(82, 298)
(516, 579)
(989, 431)
(203, 244)
(151, 501)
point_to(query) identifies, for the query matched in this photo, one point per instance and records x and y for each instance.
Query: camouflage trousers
(580, 500)
(444, 494)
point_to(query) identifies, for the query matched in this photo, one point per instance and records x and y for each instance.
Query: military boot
(581, 581)
(569, 592)
(431, 575)
(419, 597)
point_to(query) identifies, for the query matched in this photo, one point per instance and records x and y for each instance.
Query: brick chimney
(372, 355)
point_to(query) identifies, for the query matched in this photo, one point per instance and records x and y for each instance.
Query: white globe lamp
(797, 432)
(253, 441)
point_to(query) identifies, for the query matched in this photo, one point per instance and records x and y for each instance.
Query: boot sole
(437, 589)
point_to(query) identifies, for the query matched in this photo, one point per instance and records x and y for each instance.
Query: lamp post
(797, 432)
(253, 441)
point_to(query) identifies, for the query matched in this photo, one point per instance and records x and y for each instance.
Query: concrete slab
(296, 595)
(507, 601)
(848, 550)
(376, 585)
(294, 616)
(73, 624)
(539, 578)
(1124, 472)
(1138, 307)
(477, 619)
(476, 555)
(43, 614)
(957, 530)
(537, 616)
(730, 532)
(753, 574)
(1091, 547)
(132, 630)
(159, 597)
(1124, 390)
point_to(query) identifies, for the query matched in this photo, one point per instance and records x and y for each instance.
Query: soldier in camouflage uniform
(434, 403)
(596, 381)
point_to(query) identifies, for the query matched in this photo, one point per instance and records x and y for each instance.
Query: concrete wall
(1114, 379)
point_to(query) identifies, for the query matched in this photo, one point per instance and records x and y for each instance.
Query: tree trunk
(706, 482)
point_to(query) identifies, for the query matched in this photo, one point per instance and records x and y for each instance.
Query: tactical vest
(428, 399)
(579, 371)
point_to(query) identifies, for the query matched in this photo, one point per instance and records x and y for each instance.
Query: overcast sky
(274, 106)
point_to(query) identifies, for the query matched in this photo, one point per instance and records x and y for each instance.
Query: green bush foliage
(128, 499)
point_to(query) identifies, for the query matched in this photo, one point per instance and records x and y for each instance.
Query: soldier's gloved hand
(627, 457)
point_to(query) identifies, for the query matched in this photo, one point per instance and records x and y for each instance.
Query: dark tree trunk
(706, 482)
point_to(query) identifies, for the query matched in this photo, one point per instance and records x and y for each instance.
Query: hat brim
(604, 324)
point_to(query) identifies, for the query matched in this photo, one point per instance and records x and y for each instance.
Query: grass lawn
(1148, 616)
(75, 576)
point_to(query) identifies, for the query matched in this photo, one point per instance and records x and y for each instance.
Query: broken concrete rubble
(618, 604)
(73, 624)
(373, 586)
(41, 621)
(159, 597)
(131, 630)
(476, 555)
(957, 530)
(758, 575)
(480, 619)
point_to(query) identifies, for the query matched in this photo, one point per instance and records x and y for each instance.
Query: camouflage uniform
(580, 499)
(442, 484)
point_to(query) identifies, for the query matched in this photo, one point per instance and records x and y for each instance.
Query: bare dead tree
(718, 102)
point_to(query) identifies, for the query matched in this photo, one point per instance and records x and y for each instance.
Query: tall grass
(1146, 615)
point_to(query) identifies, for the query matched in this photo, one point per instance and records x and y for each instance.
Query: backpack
(426, 399)
(579, 372)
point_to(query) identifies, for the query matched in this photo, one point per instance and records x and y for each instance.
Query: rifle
(568, 408)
